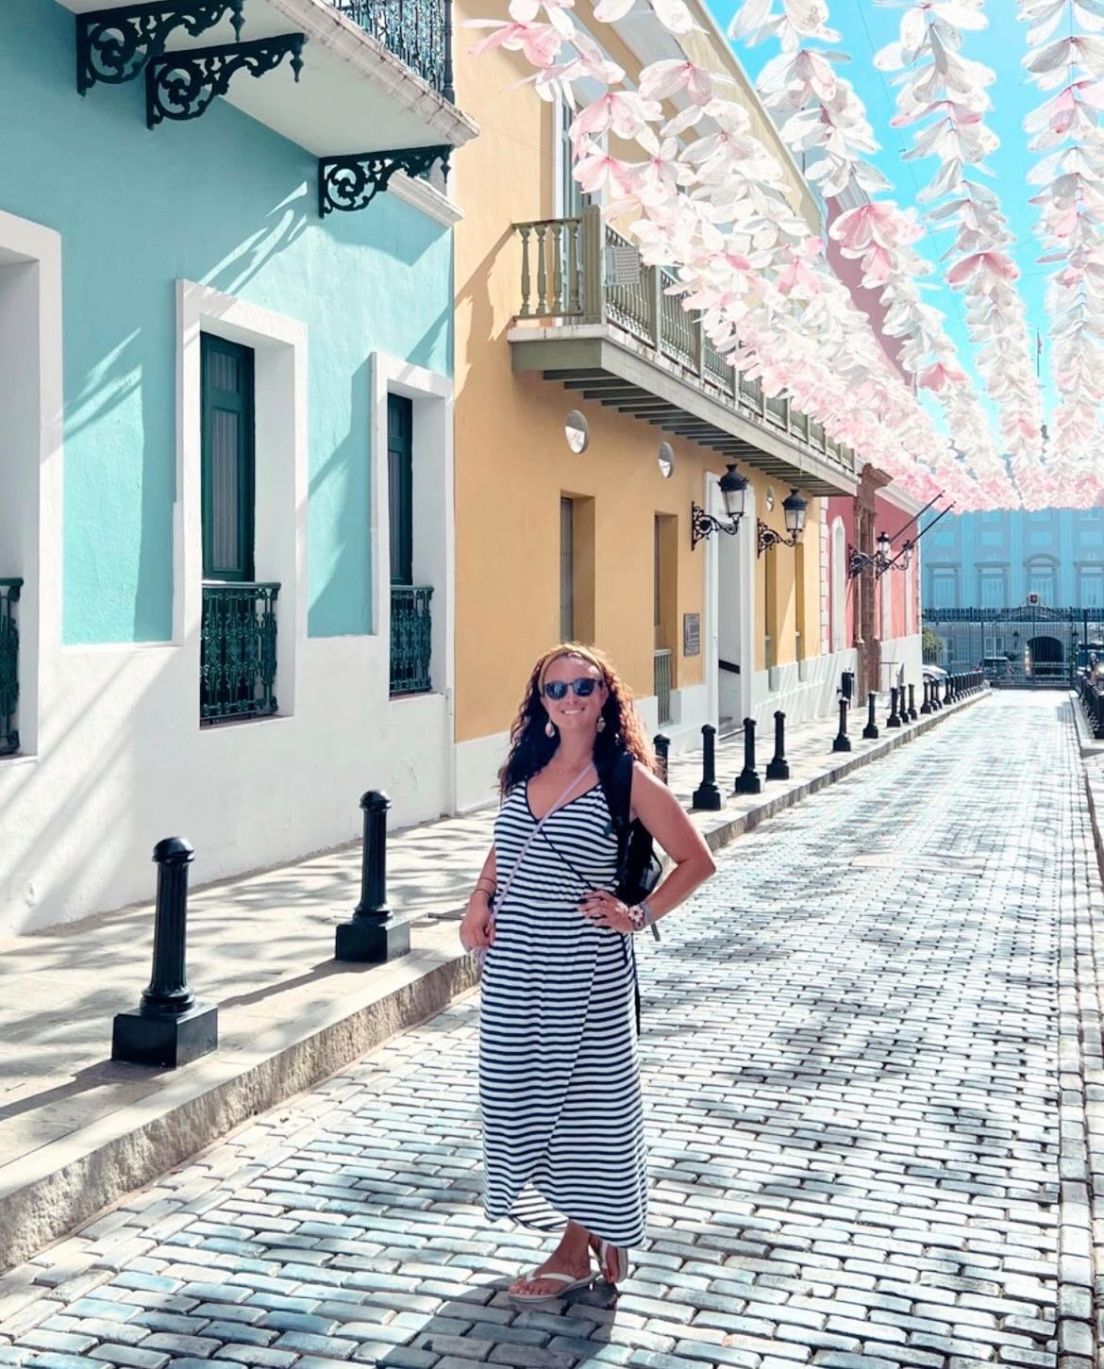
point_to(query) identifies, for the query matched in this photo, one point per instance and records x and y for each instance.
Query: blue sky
(866, 27)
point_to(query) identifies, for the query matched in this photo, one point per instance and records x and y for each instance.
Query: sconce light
(882, 560)
(734, 493)
(794, 509)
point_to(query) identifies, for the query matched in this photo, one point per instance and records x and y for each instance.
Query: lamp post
(795, 508)
(734, 493)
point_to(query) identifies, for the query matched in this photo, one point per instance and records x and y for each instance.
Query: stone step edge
(64, 1183)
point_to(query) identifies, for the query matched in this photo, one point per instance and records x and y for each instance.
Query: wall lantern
(734, 493)
(794, 509)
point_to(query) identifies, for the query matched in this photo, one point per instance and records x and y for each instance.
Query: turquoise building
(999, 560)
(226, 303)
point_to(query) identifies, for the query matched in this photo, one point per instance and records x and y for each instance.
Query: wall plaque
(691, 634)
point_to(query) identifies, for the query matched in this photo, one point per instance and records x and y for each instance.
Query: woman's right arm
(477, 927)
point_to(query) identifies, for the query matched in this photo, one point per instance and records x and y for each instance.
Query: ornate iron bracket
(349, 183)
(114, 45)
(704, 524)
(182, 85)
(769, 538)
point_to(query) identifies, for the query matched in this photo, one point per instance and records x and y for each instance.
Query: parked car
(997, 669)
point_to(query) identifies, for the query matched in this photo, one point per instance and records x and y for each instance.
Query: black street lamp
(794, 509)
(734, 493)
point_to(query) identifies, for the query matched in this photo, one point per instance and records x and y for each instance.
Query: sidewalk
(77, 1131)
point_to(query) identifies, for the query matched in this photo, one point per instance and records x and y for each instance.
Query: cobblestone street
(851, 1050)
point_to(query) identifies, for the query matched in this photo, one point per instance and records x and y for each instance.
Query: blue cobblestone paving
(851, 1061)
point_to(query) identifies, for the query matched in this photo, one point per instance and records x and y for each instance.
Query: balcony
(411, 640)
(9, 666)
(595, 320)
(372, 75)
(238, 652)
(418, 32)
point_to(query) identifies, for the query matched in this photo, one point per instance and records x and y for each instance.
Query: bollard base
(870, 732)
(371, 942)
(747, 783)
(707, 799)
(893, 722)
(842, 744)
(169, 1041)
(778, 770)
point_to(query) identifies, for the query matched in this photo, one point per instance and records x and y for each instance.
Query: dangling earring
(601, 723)
(549, 728)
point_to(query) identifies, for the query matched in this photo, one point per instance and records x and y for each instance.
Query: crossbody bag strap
(500, 896)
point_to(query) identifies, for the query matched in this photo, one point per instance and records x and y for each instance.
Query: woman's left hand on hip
(606, 910)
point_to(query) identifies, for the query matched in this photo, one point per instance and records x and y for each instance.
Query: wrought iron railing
(661, 671)
(418, 32)
(1092, 700)
(564, 276)
(9, 666)
(411, 639)
(238, 652)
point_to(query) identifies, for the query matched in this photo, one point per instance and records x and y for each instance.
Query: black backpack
(638, 866)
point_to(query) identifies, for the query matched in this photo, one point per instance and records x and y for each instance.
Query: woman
(559, 1081)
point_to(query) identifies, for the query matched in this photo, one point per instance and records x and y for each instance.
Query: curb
(725, 832)
(64, 1183)
(1081, 1146)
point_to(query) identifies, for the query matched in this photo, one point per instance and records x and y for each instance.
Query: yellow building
(591, 418)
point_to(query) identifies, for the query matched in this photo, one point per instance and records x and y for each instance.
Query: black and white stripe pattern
(559, 1081)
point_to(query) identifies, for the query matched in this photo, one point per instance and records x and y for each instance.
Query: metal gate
(1030, 647)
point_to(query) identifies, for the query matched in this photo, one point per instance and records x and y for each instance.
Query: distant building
(998, 560)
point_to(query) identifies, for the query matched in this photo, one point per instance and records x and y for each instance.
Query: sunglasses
(583, 688)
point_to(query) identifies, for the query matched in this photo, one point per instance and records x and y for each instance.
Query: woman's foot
(613, 1261)
(570, 1271)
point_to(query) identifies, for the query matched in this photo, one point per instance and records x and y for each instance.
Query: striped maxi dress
(559, 1079)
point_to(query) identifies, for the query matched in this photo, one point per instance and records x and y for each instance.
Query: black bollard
(373, 935)
(779, 767)
(947, 691)
(842, 741)
(870, 731)
(747, 782)
(662, 746)
(926, 706)
(170, 1027)
(894, 719)
(707, 796)
(912, 710)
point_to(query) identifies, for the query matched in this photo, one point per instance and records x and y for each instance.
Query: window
(1090, 587)
(400, 487)
(839, 583)
(991, 582)
(1041, 581)
(227, 471)
(567, 570)
(572, 199)
(944, 587)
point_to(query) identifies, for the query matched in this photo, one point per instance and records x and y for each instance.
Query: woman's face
(574, 714)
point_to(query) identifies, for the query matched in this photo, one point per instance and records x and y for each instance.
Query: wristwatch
(641, 915)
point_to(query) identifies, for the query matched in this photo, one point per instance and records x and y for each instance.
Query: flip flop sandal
(613, 1260)
(569, 1284)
